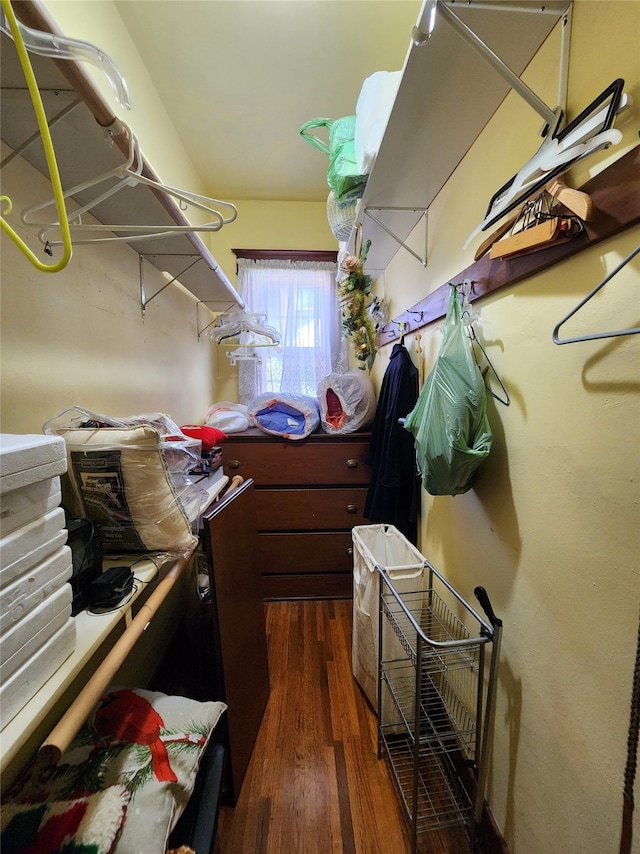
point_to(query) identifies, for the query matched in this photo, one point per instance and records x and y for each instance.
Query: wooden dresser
(309, 494)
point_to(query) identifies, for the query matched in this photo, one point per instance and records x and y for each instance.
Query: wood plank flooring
(314, 783)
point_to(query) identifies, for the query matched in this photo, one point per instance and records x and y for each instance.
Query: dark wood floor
(314, 784)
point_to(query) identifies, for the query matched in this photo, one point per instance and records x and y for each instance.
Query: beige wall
(551, 528)
(78, 337)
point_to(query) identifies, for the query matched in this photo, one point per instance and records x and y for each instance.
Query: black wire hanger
(594, 335)
(474, 340)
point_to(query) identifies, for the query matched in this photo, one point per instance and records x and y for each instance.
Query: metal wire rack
(435, 699)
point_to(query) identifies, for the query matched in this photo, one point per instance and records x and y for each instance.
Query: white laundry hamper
(377, 545)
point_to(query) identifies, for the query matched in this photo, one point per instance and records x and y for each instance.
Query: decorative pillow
(146, 741)
(121, 480)
(85, 825)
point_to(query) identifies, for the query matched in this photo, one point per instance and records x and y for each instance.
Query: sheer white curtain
(299, 299)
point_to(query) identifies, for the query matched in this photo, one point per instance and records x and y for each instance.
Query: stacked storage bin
(37, 631)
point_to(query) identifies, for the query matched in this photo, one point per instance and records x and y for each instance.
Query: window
(298, 295)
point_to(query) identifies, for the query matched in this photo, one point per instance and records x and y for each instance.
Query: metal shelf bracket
(444, 10)
(422, 260)
(144, 301)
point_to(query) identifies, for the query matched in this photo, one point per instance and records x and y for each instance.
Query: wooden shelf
(447, 95)
(616, 196)
(83, 151)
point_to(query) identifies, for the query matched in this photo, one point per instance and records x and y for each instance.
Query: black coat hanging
(394, 490)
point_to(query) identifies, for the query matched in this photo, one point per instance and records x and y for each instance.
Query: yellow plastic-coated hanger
(50, 155)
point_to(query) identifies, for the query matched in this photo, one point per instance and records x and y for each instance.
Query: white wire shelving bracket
(443, 8)
(202, 330)
(16, 152)
(475, 42)
(144, 300)
(385, 228)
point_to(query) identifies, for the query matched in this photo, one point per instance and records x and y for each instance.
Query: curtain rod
(287, 254)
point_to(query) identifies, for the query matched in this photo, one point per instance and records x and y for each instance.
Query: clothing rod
(67, 727)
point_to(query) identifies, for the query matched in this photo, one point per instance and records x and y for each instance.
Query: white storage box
(377, 545)
(29, 458)
(32, 632)
(28, 546)
(25, 683)
(34, 587)
(28, 503)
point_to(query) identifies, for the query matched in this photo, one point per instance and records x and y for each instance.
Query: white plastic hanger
(244, 326)
(129, 174)
(591, 131)
(61, 47)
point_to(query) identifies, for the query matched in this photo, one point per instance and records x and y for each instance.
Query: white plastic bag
(228, 417)
(347, 401)
(372, 114)
(294, 416)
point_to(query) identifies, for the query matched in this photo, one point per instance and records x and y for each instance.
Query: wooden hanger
(577, 201)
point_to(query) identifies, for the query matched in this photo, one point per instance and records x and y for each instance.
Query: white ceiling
(239, 78)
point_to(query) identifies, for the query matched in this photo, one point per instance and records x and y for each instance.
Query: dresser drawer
(310, 509)
(309, 494)
(326, 552)
(277, 463)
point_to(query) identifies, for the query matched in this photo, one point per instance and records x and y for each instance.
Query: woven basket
(341, 216)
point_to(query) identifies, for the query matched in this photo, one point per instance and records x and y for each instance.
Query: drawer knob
(350, 552)
(352, 464)
(233, 464)
(352, 508)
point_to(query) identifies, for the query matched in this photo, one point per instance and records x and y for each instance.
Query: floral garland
(354, 291)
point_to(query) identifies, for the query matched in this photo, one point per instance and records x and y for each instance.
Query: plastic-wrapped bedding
(131, 477)
(294, 416)
(228, 417)
(347, 402)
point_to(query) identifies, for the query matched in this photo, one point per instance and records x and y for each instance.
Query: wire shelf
(442, 801)
(433, 700)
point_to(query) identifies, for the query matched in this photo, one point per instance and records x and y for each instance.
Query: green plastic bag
(449, 421)
(342, 175)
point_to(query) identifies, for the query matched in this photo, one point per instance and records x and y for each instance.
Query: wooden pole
(67, 727)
